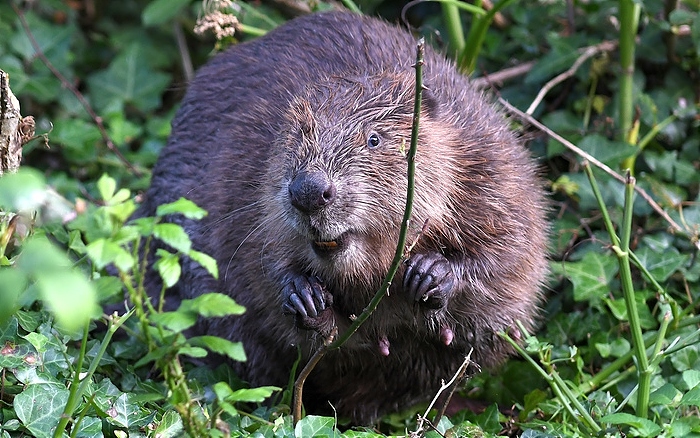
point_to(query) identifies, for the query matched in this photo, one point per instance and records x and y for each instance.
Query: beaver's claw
(429, 280)
(307, 299)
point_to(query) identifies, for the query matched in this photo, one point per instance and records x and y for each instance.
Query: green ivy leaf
(610, 152)
(39, 408)
(89, 427)
(616, 348)
(124, 412)
(618, 307)
(129, 80)
(170, 426)
(77, 138)
(173, 235)
(661, 265)
(590, 276)
(182, 206)
(222, 346)
(313, 425)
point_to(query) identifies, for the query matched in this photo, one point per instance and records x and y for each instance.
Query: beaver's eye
(373, 141)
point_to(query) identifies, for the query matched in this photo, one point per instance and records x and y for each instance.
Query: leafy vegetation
(618, 352)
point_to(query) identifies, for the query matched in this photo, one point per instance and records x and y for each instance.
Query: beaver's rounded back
(295, 144)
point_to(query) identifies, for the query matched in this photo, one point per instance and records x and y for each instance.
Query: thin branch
(451, 385)
(67, 84)
(587, 53)
(534, 122)
(187, 68)
(333, 344)
(503, 75)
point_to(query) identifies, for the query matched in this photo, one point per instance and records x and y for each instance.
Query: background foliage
(59, 378)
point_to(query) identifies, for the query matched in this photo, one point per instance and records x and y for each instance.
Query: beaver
(295, 145)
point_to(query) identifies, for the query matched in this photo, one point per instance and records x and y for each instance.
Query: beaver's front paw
(307, 299)
(429, 280)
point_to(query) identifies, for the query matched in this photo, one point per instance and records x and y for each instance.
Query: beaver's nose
(310, 192)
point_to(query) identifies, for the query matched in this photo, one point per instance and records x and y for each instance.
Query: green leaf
(104, 252)
(666, 395)
(77, 138)
(251, 395)
(313, 425)
(681, 16)
(108, 287)
(193, 351)
(590, 276)
(22, 191)
(691, 378)
(129, 80)
(661, 265)
(54, 41)
(488, 420)
(212, 304)
(182, 206)
(161, 11)
(70, 297)
(173, 235)
(610, 152)
(106, 185)
(692, 397)
(222, 346)
(206, 261)
(170, 426)
(617, 348)
(618, 307)
(551, 64)
(175, 321)
(168, 266)
(642, 426)
(89, 427)
(39, 408)
(12, 283)
(37, 340)
(125, 413)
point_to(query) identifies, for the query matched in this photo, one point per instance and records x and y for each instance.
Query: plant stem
(631, 303)
(352, 6)
(77, 390)
(629, 18)
(455, 33)
(599, 198)
(411, 175)
(559, 387)
(400, 246)
(475, 39)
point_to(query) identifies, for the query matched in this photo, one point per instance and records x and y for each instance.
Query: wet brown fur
(306, 97)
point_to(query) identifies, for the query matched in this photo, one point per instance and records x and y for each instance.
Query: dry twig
(587, 53)
(534, 122)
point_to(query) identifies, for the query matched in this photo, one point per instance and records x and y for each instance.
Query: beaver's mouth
(327, 248)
